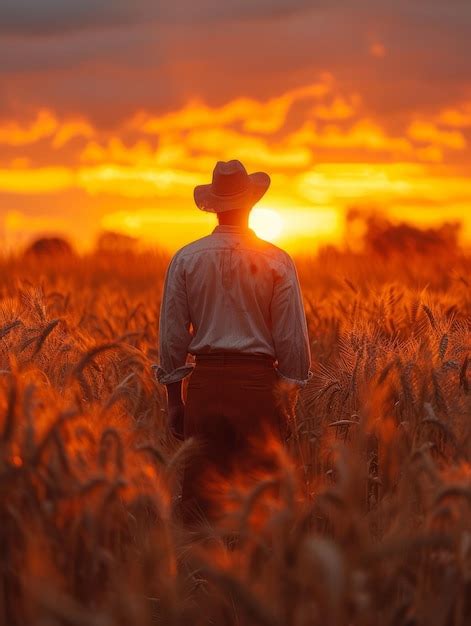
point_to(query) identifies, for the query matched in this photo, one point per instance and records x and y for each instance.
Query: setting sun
(267, 223)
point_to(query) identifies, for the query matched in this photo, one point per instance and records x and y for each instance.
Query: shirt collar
(235, 230)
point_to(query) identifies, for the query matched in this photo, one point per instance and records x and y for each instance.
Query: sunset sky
(112, 111)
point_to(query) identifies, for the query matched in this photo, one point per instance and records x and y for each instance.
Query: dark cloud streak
(49, 17)
(111, 58)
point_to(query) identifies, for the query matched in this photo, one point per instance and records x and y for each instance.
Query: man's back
(235, 293)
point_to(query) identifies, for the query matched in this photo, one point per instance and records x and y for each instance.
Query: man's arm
(290, 338)
(174, 340)
(289, 328)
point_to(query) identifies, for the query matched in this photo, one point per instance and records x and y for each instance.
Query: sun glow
(409, 170)
(267, 223)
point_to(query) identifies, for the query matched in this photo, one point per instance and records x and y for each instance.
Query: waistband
(235, 357)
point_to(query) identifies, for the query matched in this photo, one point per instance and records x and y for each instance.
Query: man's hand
(175, 419)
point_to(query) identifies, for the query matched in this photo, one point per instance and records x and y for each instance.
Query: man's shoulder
(198, 245)
(276, 253)
(253, 244)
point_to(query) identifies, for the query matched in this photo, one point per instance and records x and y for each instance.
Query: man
(233, 301)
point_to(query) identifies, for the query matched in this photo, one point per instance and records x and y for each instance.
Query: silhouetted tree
(383, 237)
(110, 241)
(50, 246)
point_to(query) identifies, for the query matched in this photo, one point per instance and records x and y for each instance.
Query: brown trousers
(233, 413)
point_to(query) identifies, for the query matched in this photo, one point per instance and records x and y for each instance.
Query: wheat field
(371, 524)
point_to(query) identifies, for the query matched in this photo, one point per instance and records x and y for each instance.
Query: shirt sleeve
(174, 327)
(289, 328)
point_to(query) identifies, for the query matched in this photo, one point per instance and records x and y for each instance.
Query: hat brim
(207, 200)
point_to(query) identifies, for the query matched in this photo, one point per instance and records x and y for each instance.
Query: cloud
(380, 184)
(338, 109)
(287, 133)
(72, 129)
(123, 45)
(137, 182)
(227, 144)
(107, 105)
(320, 138)
(33, 17)
(44, 125)
(27, 181)
(431, 154)
(45, 17)
(171, 152)
(362, 134)
(263, 117)
(169, 53)
(428, 132)
(457, 117)
(15, 134)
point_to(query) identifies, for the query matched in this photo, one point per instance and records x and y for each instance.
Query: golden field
(372, 521)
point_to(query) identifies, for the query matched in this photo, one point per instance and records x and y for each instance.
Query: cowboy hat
(232, 188)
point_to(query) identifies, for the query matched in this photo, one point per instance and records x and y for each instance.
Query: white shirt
(232, 292)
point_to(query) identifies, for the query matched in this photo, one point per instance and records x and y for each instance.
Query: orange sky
(110, 115)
